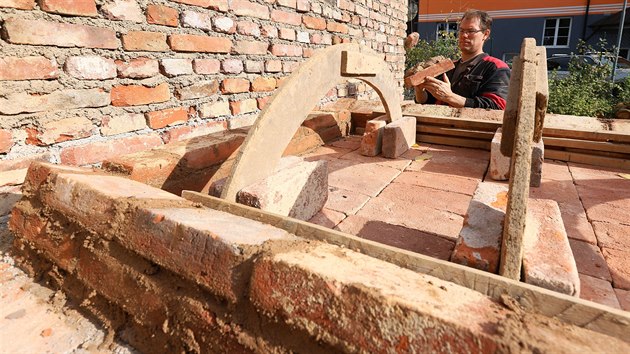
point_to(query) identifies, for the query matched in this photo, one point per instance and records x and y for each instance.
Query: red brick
(6, 141)
(24, 162)
(336, 27)
(96, 152)
(263, 101)
(597, 290)
(39, 32)
(234, 85)
(171, 67)
(28, 68)
(623, 296)
(290, 18)
(122, 123)
(123, 10)
(162, 118)
(327, 218)
(145, 41)
(23, 102)
(315, 23)
(273, 66)
(250, 47)
(59, 131)
(284, 50)
(206, 66)
(151, 167)
(138, 68)
(134, 95)
(189, 132)
(248, 28)
(202, 44)
(249, 9)
(269, 31)
(231, 66)
(198, 90)
(69, 7)
(263, 84)
(162, 15)
(201, 3)
(219, 5)
(243, 107)
(287, 3)
(90, 67)
(289, 66)
(589, 260)
(619, 265)
(18, 4)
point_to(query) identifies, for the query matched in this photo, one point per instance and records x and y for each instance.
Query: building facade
(558, 25)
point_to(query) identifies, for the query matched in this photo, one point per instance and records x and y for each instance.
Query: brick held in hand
(431, 67)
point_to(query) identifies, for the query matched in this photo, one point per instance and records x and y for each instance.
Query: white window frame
(448, 29)
(555, 35)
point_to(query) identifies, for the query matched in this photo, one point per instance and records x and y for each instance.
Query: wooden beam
(461, 123)
(587, 145)
(461, 142)
(568, 309)
(602, 161)
(474, 134)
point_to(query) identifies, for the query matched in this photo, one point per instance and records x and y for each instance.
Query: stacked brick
(86, 82)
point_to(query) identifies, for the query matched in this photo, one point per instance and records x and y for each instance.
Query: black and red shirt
(483, 80)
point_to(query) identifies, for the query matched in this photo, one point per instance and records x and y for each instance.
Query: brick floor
(598, 290)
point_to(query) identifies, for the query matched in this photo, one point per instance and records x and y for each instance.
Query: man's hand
(441, 90)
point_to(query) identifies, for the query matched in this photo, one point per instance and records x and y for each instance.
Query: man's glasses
(468, 32)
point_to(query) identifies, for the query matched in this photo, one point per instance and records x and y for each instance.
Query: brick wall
(82, 81)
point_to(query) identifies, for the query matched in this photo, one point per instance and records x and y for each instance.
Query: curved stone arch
(271, 133)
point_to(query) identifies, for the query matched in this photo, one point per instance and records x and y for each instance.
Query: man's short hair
(485, 21)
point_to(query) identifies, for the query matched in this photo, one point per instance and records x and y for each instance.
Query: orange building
(557, 24)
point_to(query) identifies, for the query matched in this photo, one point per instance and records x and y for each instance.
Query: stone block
(299, 190)
(547, 257)
(500, 164)
(372, 141)
(479, 241)
(398, 137)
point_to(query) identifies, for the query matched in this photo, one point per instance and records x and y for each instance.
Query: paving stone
(556, 171)
(613, 236)
(345, 201)
(547, 258)
(598, 290)
(459, 151)
(399, 136)
(479, 241)
(443, 182)
(438, 162)
(411, 196)
(599, 177)
(298, 191)
(368, 179)
(623, 297)
(327, 218)
(607, 205)
(398, 236)
(619, 266)
(421, 217)
(590, 260)
(397, 163)
(352, 142)
(325, 152)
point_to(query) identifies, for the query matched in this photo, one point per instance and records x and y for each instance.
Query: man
(478, 80)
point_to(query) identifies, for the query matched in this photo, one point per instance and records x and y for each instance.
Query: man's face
(471, 37)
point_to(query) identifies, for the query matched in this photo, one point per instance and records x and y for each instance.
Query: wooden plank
(461, 142)
(601, 161)
(458, 122)
(474, 134)
(568, 309)
(593, 136)
(587, 145)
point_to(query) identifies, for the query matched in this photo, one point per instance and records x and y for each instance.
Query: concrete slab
(399, 136)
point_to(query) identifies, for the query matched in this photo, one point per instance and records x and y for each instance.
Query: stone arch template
(271, 133)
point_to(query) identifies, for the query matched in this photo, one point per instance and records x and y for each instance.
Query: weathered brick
(250, 47)
(90, 67)
(241, 121)
(175, 67)
(248, 28)
(206, 66)
(200, 3)
(59, 100)
(151, 167)
(285, 50)
(188, 131)
(203, 153)
(24, 162)
(399, 136)
(39, 32)
(254, 66)
(123, 10)
(214, 109)
(145, 41)
(162, 118)
(231, 66)
(134, 95)
(263, 101)
(223, 25)
(314, 23)
(273, 66)
(287, 3)
(303, 6)
(263, 84)
(195, 43)
(18, 4)
(372, 140)
(286, 33)
(289, 66)
(98, 151)
(197, 20)
(303, 37)
(269, 31)
(234, 85)
(162, 15)
(6, 141)
(197, 90)
(243, 107)
(290, 18)
(335, 27)
(122, 123)
(60, 130)
(249, 9)
(138, 68)
(28, 68)
(69, 7)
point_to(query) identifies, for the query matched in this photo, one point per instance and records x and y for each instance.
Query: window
(556, 32)
(444, 28)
